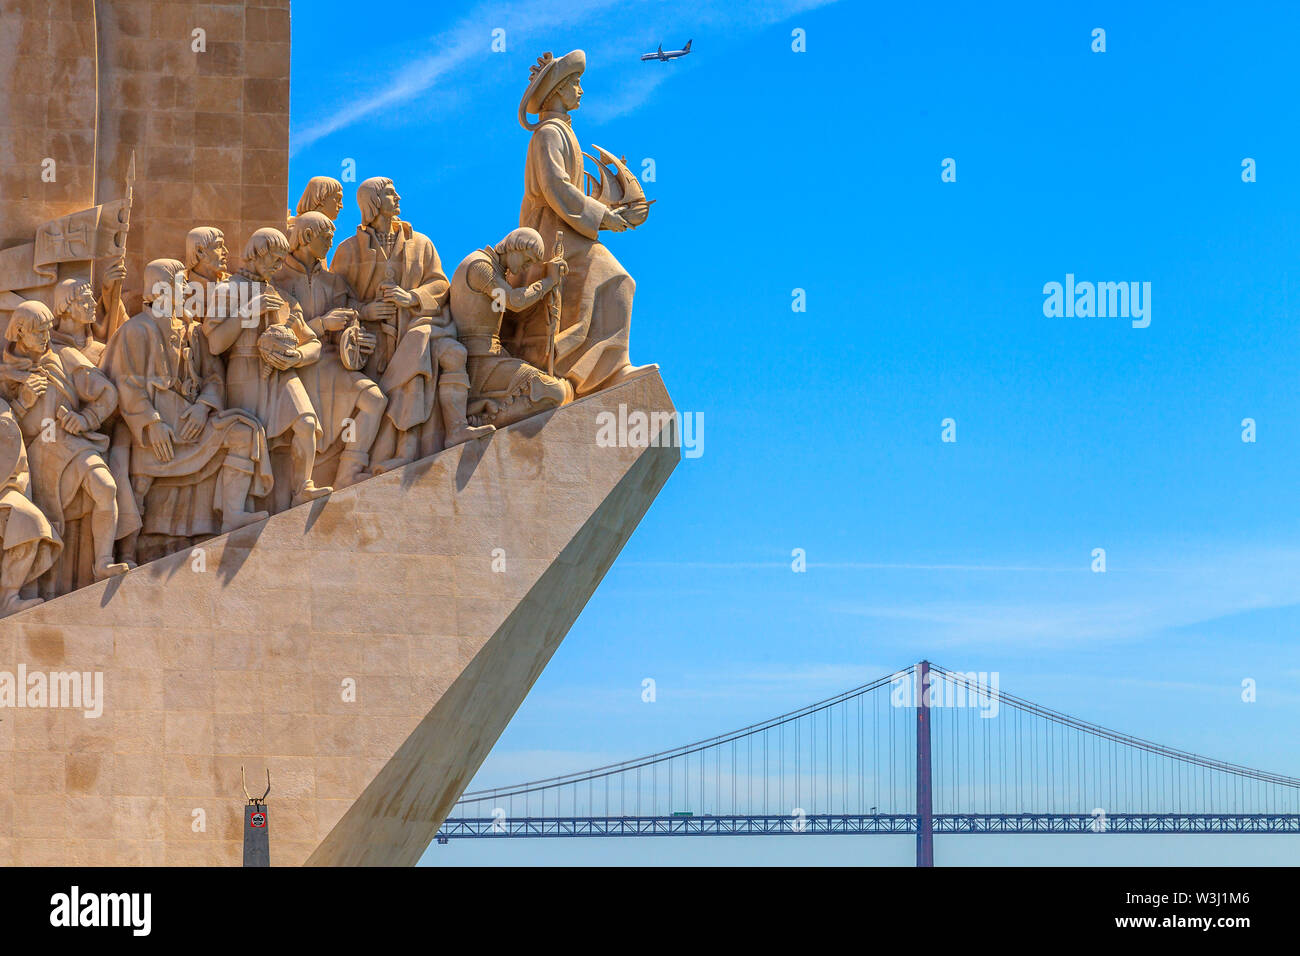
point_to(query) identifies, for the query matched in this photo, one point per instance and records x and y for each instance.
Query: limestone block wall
(210, 128)
(47, 109)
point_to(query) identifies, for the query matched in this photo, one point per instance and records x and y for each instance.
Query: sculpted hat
(544, 77)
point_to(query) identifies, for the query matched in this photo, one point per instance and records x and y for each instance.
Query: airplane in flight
(670, 55)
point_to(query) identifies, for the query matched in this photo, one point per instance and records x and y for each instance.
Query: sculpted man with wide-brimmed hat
(591, 348)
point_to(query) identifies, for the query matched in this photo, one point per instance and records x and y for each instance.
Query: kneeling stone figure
(504, 389)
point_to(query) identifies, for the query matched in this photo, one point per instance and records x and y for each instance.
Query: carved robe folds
(333, 389)
(596, 318)
(30, 543)
(161, 366)
(278, 398)
(60, 465)
(405, 363)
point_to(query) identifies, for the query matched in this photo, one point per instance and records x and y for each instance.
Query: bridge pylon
(924, 788)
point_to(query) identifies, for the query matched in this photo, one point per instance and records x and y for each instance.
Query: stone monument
(326, 523)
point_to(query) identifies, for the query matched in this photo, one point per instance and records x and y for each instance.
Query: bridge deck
(1032, 823)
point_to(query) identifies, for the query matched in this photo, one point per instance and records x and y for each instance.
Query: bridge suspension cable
(994, 762)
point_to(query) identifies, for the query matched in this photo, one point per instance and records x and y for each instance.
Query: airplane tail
(661, 49)
(687, 48)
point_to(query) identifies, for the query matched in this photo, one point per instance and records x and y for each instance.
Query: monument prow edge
(367, 648)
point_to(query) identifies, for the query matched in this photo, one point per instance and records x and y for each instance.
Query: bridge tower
(924, 793)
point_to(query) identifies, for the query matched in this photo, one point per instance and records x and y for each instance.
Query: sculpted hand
(378, 311)
(193, 420)
(557, 269)
(337, 320)
(613, 221)
(72, 423)
(268, 302)
(399, 296)
(32, 390)
(159, 437)
(283, 360)
(366, 342)
(114, 276)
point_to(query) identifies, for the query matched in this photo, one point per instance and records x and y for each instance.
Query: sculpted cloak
(277, 399)
(405, 367)
(59, 467)
(596, 314)
(162, 366)
(333, 389)
(22, 525)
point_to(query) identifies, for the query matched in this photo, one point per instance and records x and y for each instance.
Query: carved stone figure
(29, 545)
(75, 316)
(277, 399)
(323, 194)
(190, 457)
(60, 400)
(397, 276)
(349, 404)
(84, 323)
(591, 348)
(205, 265)
(504, 389)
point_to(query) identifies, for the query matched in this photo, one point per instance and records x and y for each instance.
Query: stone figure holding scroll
(591, 349)
(191, 458)
(502, 388)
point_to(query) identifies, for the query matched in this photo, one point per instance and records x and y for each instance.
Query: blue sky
(820, 170)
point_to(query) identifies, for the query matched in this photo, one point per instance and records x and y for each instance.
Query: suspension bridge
(922, 751)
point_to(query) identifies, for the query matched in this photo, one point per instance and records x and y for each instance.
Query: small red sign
(258, 819)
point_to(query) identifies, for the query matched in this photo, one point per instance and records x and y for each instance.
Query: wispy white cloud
(617, 27)
(466, 42)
